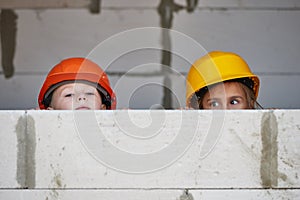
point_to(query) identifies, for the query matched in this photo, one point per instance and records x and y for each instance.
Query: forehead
(227, 88)
(75, 86)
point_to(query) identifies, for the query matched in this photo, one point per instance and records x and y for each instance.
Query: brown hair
(250, 97)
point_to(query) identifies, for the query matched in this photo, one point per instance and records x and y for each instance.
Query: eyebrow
(211, 99)
(235, 97)
(65, 91)
(231, 97)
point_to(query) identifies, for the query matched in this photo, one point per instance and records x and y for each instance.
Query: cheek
(96, 100)
(97, 105)
(205, 106)
(64, 103)
(243, 105)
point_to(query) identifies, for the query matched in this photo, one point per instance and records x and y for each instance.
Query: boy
(76, 84)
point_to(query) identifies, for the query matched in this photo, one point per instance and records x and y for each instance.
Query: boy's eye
(68, 95)
(90, 93)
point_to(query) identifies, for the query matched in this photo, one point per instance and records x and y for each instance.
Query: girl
(221, 80)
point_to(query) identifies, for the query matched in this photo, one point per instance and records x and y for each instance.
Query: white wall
(266, 33)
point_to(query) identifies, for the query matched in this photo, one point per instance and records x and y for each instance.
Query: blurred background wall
(37, 35)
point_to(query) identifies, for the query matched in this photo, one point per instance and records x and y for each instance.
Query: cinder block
(288, 140)
(272, 84)
(266, 194)
(239, 25)
(147, 149)
(136, 89)
(235, 158)
(25, 98)
(150, 149)
(206, 3)
(154, 194)
(12, 148)
(90, 194)
(222, 31)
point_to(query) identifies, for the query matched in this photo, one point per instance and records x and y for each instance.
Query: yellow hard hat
(216, 67)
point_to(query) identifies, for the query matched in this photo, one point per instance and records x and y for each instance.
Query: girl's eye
(214, 104)
(90, 93)
(234, 102)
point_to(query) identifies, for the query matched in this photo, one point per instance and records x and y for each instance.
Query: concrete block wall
(264, 32)
(150, 154)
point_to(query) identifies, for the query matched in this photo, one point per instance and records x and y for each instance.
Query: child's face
(229, 95)
(76, 96)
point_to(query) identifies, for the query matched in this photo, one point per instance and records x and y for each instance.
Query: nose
(81, 98)
(226, 107)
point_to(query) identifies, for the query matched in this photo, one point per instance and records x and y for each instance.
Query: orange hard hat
(81, 70)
